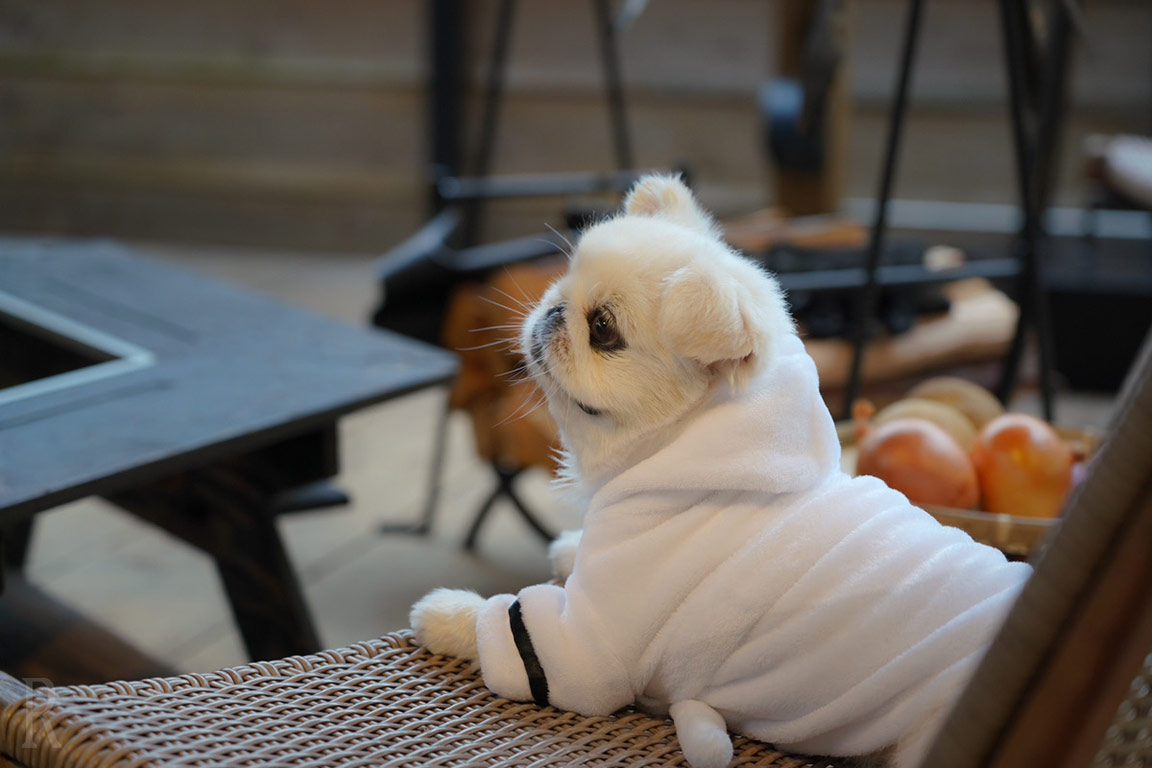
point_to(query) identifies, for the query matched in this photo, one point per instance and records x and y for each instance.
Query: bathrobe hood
(777, 437)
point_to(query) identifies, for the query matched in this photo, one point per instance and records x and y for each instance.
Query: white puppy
(729, 574)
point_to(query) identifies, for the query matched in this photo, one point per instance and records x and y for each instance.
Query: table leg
(16, 538)
(228, 515)
(228, 511)
(265, 595)
(14, 541)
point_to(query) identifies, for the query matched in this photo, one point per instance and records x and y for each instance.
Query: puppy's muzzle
(546, 328)
(553, 319)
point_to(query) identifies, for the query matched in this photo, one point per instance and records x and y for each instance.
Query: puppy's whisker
(509, 327)
(523, 375)
(556, 245)
(549, 387)
(512, 416)
(535, 408)
(529, 302)
(516, 378)
(547, 369)
(543, 395)
(522, 303)
(521, 364)
(520, 411)
(507, 343)
(545, 386)
(571, 248)
(516, 311)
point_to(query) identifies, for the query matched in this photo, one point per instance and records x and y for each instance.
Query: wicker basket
(383, 702)
(1018, 537)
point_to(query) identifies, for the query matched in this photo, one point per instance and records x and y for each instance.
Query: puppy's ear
(669, 198)
(727, 318)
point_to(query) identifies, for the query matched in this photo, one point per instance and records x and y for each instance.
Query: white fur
(444, 622)
(562, 554)
(694, 315)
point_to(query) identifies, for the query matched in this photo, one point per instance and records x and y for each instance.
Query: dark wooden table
(188, 403)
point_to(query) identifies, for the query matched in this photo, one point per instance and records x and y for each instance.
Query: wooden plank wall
(216, 120)
(298, 124)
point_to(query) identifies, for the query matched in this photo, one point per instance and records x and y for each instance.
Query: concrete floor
(164, 597)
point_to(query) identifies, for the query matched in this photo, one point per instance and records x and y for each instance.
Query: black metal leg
(321, 494)
(263, 591)
(490, 118)
(436, 473)
(1010, 372)
(866, 308)
(533, 522)
(1053, 99)
(446, 58)
(14, 543)
(505, 486)
(482, 515)
(15, 540)
(613, 85)
(227, 514)
(1051, 110)
(1026, 131)
(494, 91)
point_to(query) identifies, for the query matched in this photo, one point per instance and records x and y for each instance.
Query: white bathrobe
(739, 567)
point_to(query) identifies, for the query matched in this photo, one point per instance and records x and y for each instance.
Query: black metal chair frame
(446, 248)
(1036, 66)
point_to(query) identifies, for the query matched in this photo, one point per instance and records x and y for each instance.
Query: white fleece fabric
(739, 567)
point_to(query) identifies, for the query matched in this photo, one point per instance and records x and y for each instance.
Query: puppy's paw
(562, 554)
(444, 621)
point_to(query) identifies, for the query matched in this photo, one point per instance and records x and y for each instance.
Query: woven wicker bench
(382, 702)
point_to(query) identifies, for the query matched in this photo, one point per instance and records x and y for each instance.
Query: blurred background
(288, 146)
(304, 126)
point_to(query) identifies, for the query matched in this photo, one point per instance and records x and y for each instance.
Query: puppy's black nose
(554, 316)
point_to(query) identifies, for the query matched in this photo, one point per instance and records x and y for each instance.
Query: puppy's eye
(602, 331)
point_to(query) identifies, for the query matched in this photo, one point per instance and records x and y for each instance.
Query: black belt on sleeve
(537, 682)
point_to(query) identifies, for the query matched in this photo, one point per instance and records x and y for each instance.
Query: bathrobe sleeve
(540, 645)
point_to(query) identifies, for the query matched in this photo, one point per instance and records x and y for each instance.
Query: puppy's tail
(703, 734)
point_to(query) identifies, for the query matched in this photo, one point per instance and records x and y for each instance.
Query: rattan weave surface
(1128, 742)
(382, 702)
